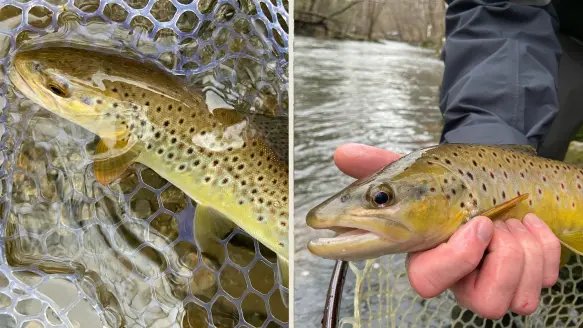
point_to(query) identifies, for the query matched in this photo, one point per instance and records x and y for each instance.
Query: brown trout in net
(420, 200)
(142, 114)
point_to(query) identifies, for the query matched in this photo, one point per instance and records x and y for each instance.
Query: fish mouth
(359, 237)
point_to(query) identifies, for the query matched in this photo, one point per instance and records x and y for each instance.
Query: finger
(551, 248)
(489, 290)
(357, 160)
(527, 294)
(430, 272)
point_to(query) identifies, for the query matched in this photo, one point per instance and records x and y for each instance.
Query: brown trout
(420, 200)
(142, 114)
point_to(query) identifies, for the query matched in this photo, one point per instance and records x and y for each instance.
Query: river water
(380, 94)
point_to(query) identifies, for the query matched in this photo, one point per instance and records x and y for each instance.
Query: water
(385, 95)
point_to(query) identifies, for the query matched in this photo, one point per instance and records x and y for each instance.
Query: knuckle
(468, 259)
(493, 312)
(423, 285)
(524, 305)
(532, 247)
(550, 278)
(551, 244)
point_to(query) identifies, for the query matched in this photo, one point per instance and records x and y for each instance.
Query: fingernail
(500, 225)
(485, 231)
(533, 220)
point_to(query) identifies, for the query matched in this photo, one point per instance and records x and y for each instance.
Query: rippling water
(384, 95)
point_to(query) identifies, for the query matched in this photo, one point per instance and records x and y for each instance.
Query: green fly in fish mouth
(386, 213)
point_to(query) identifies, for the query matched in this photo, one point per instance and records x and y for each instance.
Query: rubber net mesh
(383, 298)
(75, 253)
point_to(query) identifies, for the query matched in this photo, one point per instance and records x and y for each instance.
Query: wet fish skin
(433, 191)
(145, 115)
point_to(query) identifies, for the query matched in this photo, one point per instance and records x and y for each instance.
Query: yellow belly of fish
(220, 199)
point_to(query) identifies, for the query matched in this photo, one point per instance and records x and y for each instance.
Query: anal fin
(499, 210)
(565, 256)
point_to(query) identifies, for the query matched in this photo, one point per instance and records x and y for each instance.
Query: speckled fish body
(144, 115)
(432, 191)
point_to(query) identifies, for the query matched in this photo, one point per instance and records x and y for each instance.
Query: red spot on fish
(557, 198)
(518, 193)
(492, 175)
(522, 174)
(562, 186)
(505, 175)
(579, 185)
(540, 191)
(573, 204)
(432, 189)
(545, 179)
(530, 202)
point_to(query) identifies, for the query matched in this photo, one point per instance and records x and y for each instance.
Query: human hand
(521, 259)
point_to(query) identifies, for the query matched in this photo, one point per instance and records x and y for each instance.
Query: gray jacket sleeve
(501, 65)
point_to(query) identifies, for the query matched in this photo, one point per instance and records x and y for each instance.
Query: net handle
(334, 296)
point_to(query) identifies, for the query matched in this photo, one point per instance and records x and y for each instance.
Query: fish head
(400, 209)
(65, 88)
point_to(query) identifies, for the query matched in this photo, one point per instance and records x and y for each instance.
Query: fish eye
(381, 196)
(58, 90)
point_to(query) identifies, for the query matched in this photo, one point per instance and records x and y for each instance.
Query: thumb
(432, 272)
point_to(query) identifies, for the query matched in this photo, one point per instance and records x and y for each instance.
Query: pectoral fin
(573, 241)
(504, 207)
(112, 158)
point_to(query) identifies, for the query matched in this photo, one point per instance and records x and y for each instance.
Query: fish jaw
(364, 235)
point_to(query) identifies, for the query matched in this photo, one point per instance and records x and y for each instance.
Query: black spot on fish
(166, 123)
(99, 101)
(181, 167)
(447, 161)
(462, 205)
(484, 187)
(189, 151)
(180, 121)
(147, 103)
(475, 163)
(114, 89)
(470, 176)
(494, 201)
(503, 195)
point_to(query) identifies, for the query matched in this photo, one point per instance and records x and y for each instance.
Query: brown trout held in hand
(144, 115)
(420, 200)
